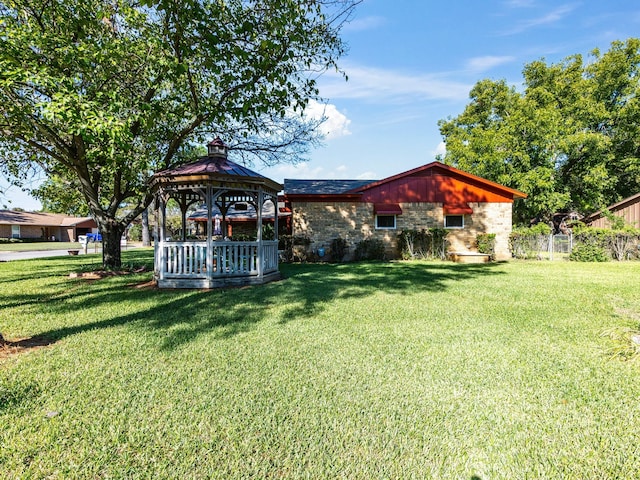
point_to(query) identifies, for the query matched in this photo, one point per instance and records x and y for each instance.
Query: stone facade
(486, 218)
(355, 221)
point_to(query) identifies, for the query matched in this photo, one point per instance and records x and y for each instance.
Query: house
(43, 226)
(629, 209)
(240, 219)
(433, 195)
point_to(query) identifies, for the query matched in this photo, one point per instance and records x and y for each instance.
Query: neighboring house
(241, 219)
(44, 226)
(433, 195)
(629, 209)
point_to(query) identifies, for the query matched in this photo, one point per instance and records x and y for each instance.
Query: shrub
(369, 249)
(617, 244)
(529, 242)
(338, 249)
(430, 243)
(286, 244)
(486, 243)
(588, 253)
(268, 231)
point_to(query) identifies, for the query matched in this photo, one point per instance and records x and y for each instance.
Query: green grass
(378, 370)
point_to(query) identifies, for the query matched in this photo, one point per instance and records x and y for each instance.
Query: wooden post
(260, 258)
(275, 227)
(209, 234)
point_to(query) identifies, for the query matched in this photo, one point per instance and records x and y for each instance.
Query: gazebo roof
(214, 168)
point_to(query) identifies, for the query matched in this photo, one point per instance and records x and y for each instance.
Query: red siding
(434, 187)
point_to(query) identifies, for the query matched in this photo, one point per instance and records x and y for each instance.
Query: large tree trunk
(111, 250)
(146, 238)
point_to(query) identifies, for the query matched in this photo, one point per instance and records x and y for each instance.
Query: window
(15, 231)
(454, 221)
(387, 222)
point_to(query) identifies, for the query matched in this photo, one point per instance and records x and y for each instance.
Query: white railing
(270, 251)
(228, 259)
(183, 259)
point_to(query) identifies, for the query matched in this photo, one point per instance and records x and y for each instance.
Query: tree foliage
(100, 94)
(570, 139)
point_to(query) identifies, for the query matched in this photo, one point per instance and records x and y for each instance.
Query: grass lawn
(379, 370)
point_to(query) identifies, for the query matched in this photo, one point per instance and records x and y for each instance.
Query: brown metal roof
(216, 167)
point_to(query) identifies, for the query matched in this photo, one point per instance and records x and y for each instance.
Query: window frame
(395, 222)
(454, 227)
(15, 228)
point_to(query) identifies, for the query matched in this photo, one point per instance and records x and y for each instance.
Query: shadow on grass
(311, 286)
(180, 316)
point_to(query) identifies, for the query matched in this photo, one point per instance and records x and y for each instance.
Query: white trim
(454, 227)
(13, 228)
(386, 228)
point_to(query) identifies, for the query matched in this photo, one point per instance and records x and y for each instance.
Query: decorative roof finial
(217, 148)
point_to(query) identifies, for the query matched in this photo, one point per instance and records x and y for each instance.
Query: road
(8, 256)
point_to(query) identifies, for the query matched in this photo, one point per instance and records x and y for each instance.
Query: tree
(100, 94)
(61, 195)
(569, 140)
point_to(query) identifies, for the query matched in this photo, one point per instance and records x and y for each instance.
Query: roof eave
(320, 197)
(208, 178)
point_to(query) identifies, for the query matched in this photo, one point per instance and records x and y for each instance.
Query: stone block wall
(486, 218)
(322, 222)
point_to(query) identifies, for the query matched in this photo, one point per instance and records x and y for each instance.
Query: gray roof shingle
(322, 187)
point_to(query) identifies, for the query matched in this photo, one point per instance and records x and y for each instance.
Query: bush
(370, 249)
(431, 243)
(529, 242)
(243, 237)
(338, 249)
(588, 253)
(617, 244)
(286, 244)
(486, 243)
(268, 232)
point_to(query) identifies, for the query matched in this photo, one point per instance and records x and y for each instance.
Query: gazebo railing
(227, 259)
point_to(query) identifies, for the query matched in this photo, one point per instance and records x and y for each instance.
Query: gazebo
(214, 260)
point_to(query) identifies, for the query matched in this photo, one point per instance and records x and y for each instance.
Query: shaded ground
(10, 348)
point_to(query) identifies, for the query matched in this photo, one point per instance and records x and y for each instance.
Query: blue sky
(412, 62)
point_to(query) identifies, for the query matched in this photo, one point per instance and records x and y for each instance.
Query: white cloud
(482, 64)
(307, 172)
(367, 176)
(550, 18)
(391, 86)
(441, 149)
(335, 125)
